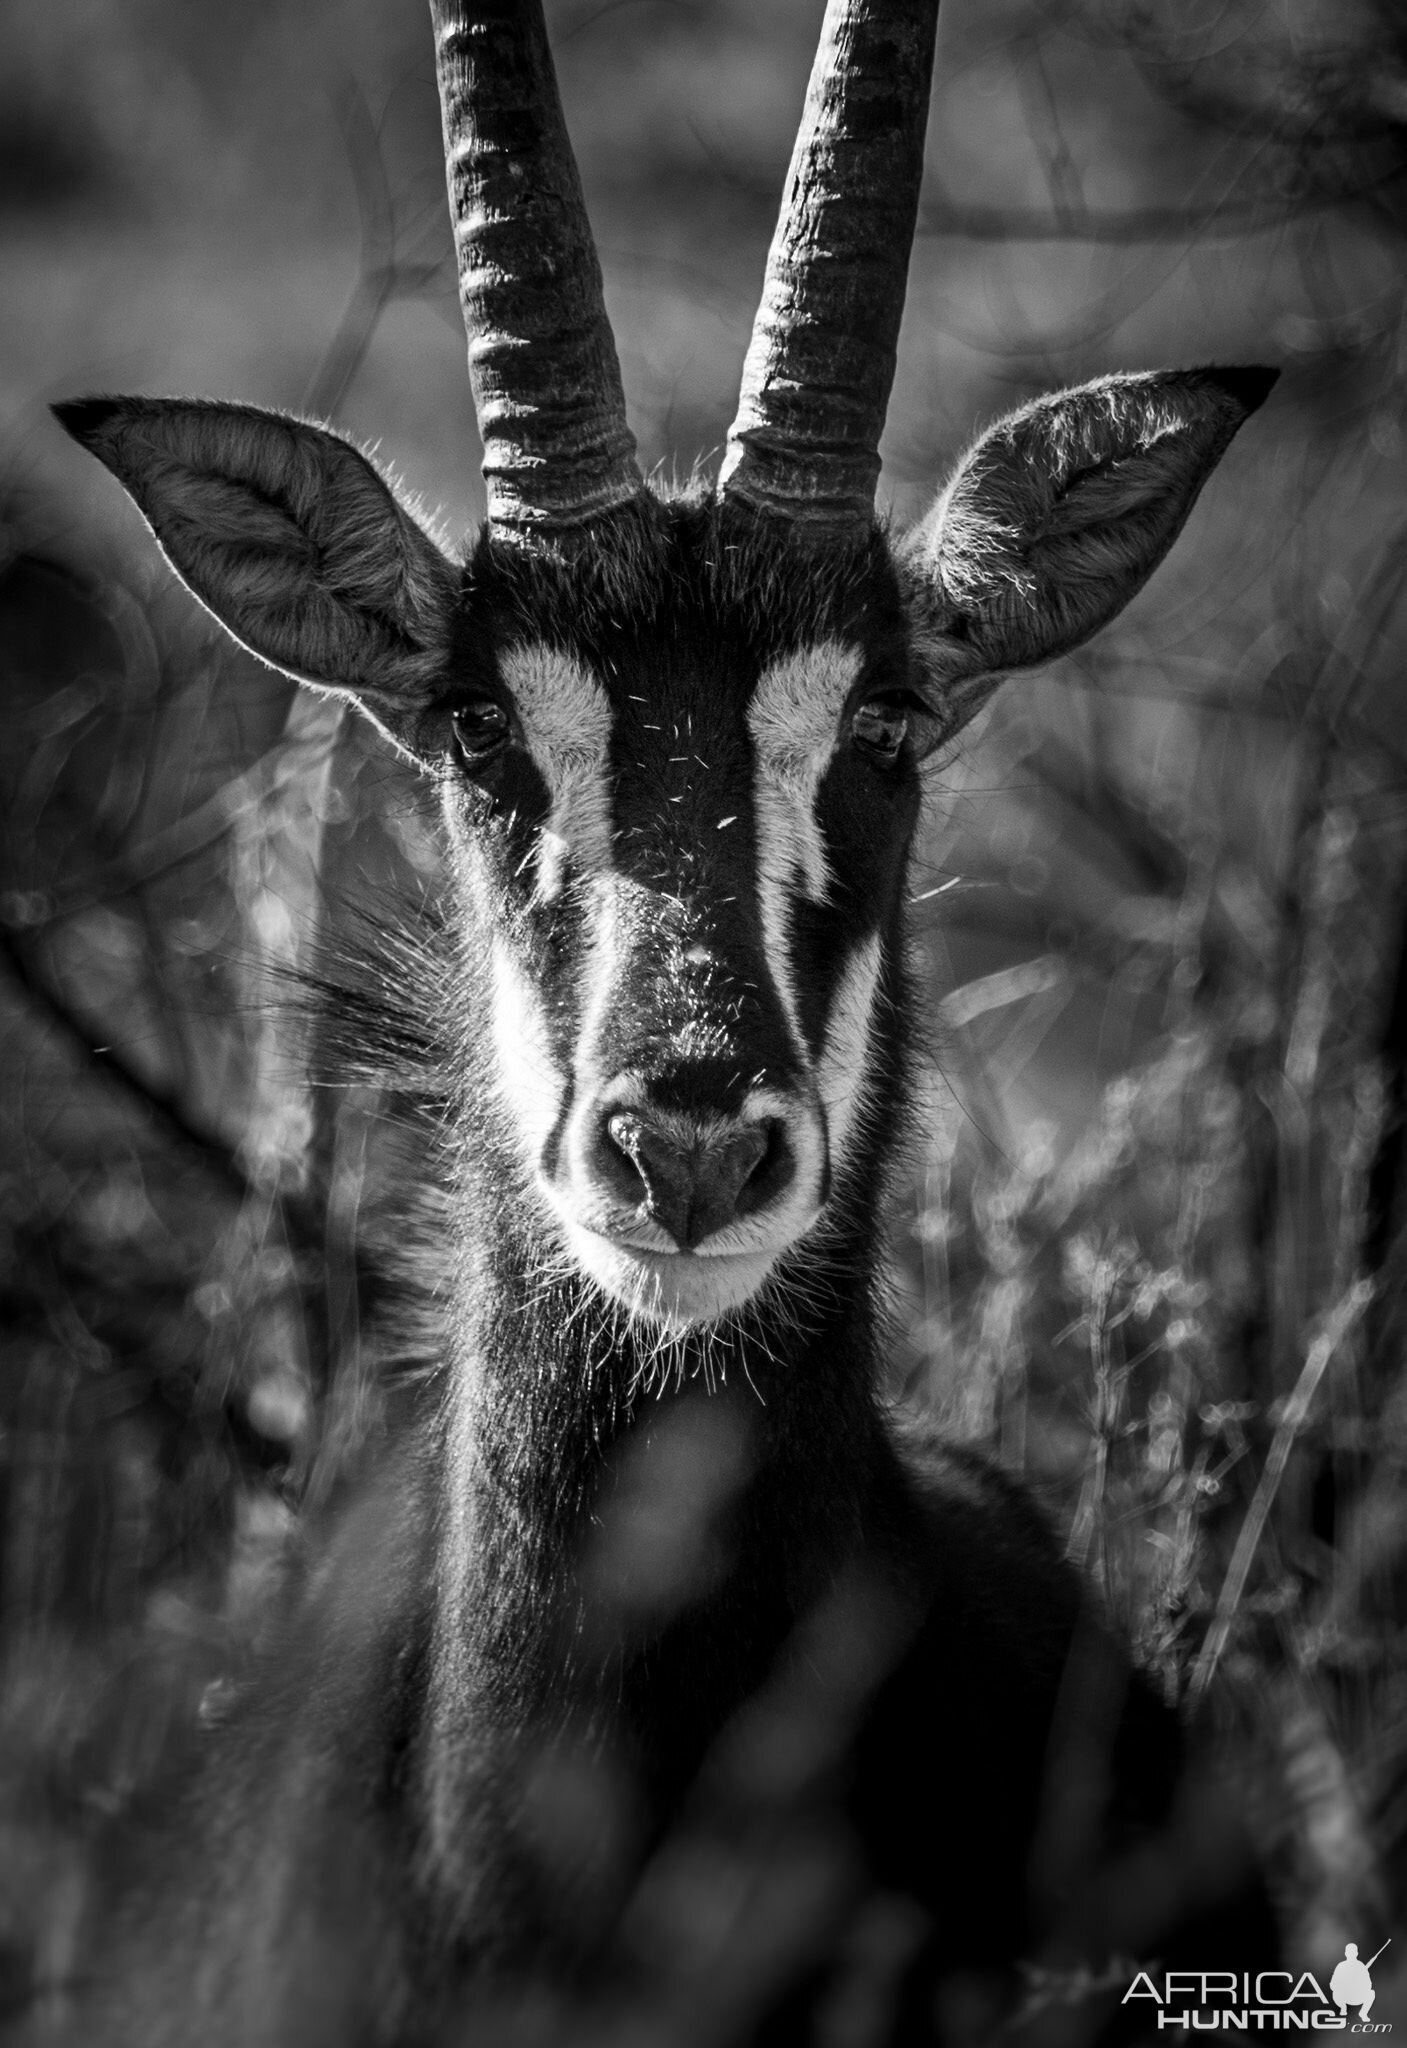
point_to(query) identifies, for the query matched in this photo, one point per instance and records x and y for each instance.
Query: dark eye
(881, 726)
(480, 729)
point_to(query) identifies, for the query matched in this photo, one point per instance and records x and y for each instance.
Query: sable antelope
(650, 1587)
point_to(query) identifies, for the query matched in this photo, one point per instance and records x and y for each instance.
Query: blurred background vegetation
(1153, 1250)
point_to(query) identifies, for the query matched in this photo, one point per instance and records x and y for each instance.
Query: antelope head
(680, 738)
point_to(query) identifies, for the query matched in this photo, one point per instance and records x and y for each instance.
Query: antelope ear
(291, 538)
(1059, 515)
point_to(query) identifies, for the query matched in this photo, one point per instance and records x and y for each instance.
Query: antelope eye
(881, 727)
(480, 729)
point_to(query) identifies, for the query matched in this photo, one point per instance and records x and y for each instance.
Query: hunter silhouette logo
(1351, 1983)
(1267, 2000)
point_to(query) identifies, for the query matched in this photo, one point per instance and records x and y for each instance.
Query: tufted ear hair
(1057, 517)
(291, 538)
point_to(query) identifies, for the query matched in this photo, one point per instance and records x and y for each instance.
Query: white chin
(675, 1290)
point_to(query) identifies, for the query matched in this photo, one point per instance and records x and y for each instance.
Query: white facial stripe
(794, 717)
(566, 721)
(845, 1052)
(529, 1080)
(616, 907)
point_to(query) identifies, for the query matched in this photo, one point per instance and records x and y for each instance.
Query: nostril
(621, 1136)
(627, 1156)
(732, 1161)
(654, 1170)
(771, 1171)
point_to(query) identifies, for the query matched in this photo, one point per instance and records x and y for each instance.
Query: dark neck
(627, 1538)
(629, 1529)
(560, 1410)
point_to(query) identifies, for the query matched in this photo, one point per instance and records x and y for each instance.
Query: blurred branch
(1062, 176)
(1113, 816)
(160, 1103)
(1066, 220)
(600, 10)
(1219, 217)
(383, 276)
(125, 871)
(164, 1106)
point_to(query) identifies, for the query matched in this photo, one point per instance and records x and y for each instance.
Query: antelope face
(682, 844)
(679, 745)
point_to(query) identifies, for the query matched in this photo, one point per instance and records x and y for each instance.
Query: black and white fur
(649, 1574)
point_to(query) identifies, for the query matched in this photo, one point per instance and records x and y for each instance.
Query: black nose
(694, 1182)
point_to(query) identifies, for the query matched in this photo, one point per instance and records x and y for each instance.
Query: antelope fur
(652, 1512)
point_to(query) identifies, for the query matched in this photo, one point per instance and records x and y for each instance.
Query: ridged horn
(816, 383)
(547, 391)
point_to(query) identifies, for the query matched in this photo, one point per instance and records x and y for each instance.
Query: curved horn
(547, 389)
(816, 382)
